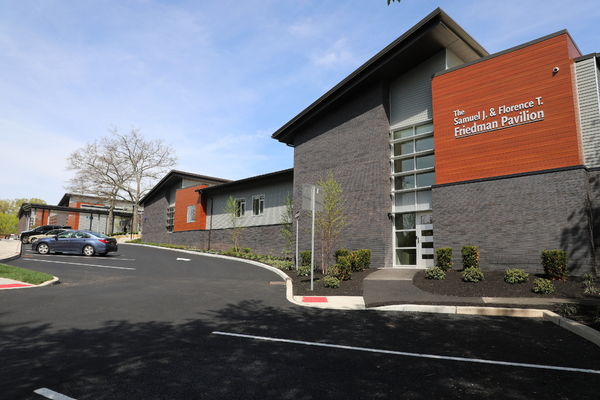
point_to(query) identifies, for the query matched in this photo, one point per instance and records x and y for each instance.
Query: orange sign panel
(512, 113)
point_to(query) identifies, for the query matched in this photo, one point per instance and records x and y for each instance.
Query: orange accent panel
(513, 78)
(187, 197)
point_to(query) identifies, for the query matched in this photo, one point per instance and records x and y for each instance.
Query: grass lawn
(23, 275)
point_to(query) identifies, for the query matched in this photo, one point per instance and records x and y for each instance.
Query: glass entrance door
(414, 239)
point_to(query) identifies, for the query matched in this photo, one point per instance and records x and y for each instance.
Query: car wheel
(25, 240)
(88, 250)
(42, 248)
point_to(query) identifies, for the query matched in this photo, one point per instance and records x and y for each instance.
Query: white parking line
(401, 353)
(109, 258)
(86, 265)
(51, 394)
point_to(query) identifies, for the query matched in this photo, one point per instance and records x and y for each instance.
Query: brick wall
(352, 142)
(513, 219)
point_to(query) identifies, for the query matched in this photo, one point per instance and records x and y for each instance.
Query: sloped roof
(431, 35)
(272, 176)
(174, 176)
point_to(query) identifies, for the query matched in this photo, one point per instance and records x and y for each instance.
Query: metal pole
(297, 216)
(312, 240)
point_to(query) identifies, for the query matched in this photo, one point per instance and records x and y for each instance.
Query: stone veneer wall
(352, 142)
(513, 219)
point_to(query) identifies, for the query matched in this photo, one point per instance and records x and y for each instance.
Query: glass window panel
(404, 148)
(403, 133)
(405, 199)
(427, 232)
(404, 182)
(427, 245)
(405, 221)
(424, 129)
(406, 239)
(404, 165)
(424, 144)
(426, 179)
(406, 256)
(425, 162)
(427, 256)
(424, 199)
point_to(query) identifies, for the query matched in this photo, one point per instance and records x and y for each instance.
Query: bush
(472, 274)
(342, 270)
(435, 273)
(543, 286)
(514, 275)
(305, 257)
(341, 253)
(246, 250)
(567, 309)
(304, 270)
(556, 264)
(444, 258)
(282, 264)
(470, 257)
(589, 283)
(331, 282)
(360, 259)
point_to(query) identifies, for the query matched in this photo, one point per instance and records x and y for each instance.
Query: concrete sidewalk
(9, 250)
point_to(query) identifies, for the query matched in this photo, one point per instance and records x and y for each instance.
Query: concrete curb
(14, 257)
(54, 281)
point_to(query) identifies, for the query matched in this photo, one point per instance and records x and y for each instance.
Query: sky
(213, 79)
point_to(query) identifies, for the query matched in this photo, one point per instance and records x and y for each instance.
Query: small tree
(287, 217)
(330, 221)
(232, 209)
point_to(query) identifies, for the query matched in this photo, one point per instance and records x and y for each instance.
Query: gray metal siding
(452, 60)
(589, 109)
(410, 95)
(275, 195)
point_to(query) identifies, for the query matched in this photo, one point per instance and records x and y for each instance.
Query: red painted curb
(13, 285)
(314, 299)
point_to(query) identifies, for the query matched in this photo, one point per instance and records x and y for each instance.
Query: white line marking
(108, 258)
(401, 353)
(86, 265)
(50, 394)
(183, 259)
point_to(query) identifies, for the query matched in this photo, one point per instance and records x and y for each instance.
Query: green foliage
(246, 250)
(341, 253)
(233, 211)
(470, 257)
(589, 283)
(304, 270)
(514, 275)
(23, 275)
(330, 222)
(331, 282)
(443, 259)
(305, 258)
(567, 309)
(543, 286)
(285, 265)
(472, 274)
(360, 259)
(9, 223)
(342, 270)
(138, 240)
(435, 273)
(556, 264)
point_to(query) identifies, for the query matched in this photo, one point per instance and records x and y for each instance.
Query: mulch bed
(352, 287)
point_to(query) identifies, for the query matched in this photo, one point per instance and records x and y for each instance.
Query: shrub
(360, 259)
(555, 263)
(470, 257)
(589, 283)
(331, 282)
(543, 286)
(304, 270)
(246, 250)
(472, 274)
(444, 258)
(342, 270)
(567, 309)
(514, 275)
(435, 273)
(596, 315)
(341, 253)
(305, 257)
(282, 264)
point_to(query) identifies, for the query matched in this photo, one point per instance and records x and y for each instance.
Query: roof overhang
(175, 176)
(434, 33)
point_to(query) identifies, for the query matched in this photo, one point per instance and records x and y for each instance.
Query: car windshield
(54, 232)
(66, 234)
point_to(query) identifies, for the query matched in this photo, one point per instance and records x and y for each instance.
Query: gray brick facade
(351, 142)
(513, 219)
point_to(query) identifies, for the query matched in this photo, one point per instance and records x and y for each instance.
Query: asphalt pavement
(386, 286)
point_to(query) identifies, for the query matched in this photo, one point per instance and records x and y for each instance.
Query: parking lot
(155, 323)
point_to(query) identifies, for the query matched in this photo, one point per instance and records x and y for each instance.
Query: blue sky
(214, 79)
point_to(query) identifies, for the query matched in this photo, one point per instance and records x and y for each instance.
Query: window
(240, 207)
(191, 213)
(258, 204)
(170, 219)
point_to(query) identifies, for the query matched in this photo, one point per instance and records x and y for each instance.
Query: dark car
(40, 230)
(80, 242)
(51, 233)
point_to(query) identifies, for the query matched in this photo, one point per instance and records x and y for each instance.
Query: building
(438, 143)
(190, 209)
